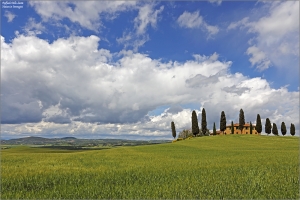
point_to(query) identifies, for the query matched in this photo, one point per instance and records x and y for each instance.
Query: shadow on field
(71, 148)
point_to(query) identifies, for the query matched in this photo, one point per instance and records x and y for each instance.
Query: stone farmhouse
(236, 130)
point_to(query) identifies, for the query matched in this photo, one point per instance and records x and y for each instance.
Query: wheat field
(214, 167)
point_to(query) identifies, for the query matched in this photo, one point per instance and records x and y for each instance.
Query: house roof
(217, 132)
(237, 124)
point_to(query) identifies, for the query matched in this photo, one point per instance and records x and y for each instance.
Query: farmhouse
(236, 130)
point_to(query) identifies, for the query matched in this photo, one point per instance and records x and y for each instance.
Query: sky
(127, 69)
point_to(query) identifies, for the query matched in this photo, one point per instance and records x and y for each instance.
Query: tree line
(196, 131)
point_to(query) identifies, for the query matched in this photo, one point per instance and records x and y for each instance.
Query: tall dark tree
(214, 129)
(241, 120)
(232, 128)
(283, 128)
(292, 129)
(251, 128)
(203, 122)
(223, 122)
(195, 127)
(258, 124)
(275, 130)
(268, 126)
(173, 130)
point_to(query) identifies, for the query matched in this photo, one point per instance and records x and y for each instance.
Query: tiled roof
(237, 124)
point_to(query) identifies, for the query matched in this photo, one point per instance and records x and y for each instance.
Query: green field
(230, 167)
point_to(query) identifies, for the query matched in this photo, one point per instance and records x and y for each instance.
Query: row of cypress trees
(268, 126)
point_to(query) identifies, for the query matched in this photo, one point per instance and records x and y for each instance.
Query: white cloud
(34, 28)
(86, 13)
(194, 20)
(258, 58)
(212, 30)
(218, 2)
(147, 15)
(138, 37)
(70, 85)
(242, 23)
(277, 36)
(9, 15)
(282, 19)
(190, 20)
(90, 15)
(133, 40)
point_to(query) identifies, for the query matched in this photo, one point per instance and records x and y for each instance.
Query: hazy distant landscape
(73, 143)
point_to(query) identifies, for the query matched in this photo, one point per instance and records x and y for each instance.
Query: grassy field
(230, 167)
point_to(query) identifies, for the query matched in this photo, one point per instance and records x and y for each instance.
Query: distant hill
(69, 138)
(27, 140)
(78, 142)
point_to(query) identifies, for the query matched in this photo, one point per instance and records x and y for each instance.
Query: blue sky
(126, 69)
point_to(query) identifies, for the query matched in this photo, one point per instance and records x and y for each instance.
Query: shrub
(185, 134)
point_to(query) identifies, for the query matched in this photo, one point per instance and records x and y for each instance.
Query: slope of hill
(218, 167)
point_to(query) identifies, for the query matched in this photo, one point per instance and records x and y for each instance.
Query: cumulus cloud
(86, 13)
(9, 15)
(174, 109)
(277, 36)
(236, 90)
(74, 86)
(194, 20)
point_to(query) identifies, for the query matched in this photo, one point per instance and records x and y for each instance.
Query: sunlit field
(231, 167)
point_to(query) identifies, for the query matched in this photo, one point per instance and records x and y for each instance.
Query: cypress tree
(250, 128)
(203, 122)
(222, 122)
(241, 120)
(292, 129)
(173, 129)
(268, 126)
(258, 124)
(283, 128)
(195, 127)
(232, 128)
(214, 129)
(275, 130)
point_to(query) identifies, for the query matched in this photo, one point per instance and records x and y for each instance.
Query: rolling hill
(217, 167)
